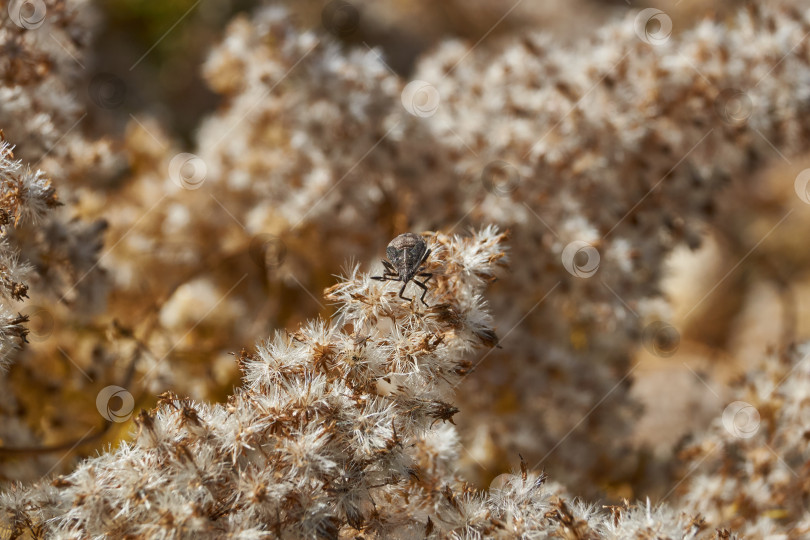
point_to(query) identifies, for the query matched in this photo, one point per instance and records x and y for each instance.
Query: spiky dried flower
(329, 419)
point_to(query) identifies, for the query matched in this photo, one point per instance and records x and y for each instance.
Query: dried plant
(581, 151)
(50, 252)
(750, 470)
(330, 422)
(602, 156)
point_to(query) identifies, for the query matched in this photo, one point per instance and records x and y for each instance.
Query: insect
(407, 254)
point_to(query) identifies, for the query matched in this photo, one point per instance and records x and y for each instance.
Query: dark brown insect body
(407, 254)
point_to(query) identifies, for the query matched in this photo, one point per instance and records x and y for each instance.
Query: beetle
(407, 253)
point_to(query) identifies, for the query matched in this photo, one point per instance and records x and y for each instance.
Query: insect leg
(402, 290)
(423, 287)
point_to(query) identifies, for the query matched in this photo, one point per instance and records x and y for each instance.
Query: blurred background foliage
(177, 34)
